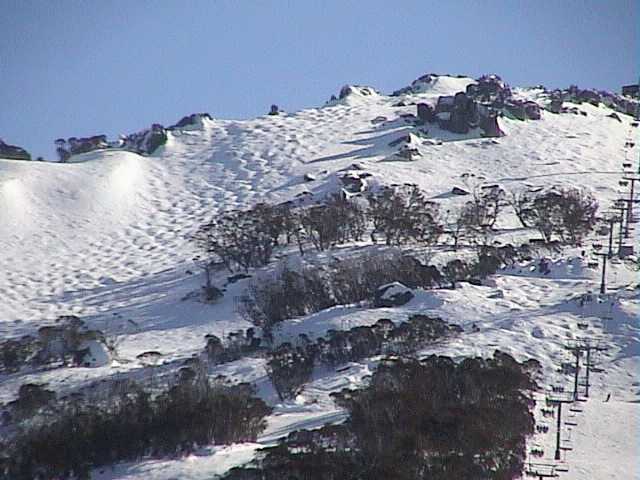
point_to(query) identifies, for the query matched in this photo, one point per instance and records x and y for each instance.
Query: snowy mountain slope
(107, 237)
(114, 216)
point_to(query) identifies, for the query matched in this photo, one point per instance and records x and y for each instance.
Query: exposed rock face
(619, 103)
(457, 113)
(348, 90)
(76, 146)
(522, 110)
(489, 125)
(555, 106)
(191, 120)
(532, 110)
(426, 113)
(13, 152)
(144, 142)
(392, 295)
(489, 88)
(424, 79)
(147, 141)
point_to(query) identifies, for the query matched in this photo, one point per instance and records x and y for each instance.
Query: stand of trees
(403, 214)
(68, 437)
(569, 213)
(237, 345)
(432, 419)
(240, 240)
(288, 294)
(290, 367)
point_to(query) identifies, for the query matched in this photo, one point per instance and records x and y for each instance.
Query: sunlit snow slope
(68, 229)
(108, 236)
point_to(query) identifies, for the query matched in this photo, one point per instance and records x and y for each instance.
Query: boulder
(408, 153)
(615, 116)
(146, 141)
(489, 125)
(555, 106)
(353, 182)
(532, 110)
(489, 88)
(407, 139)
(459, 191)
(308, 177)
(191, 120)
(274, 110)
(392, 295)
(348, 90)
(457, 122)
(444, 104)
(93, 353)
(516, 110)
(426, 113)
(590, 96)
(458, 113)
(77, 146)
(13, 152)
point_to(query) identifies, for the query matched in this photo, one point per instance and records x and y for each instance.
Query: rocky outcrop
(144, 142)
(426, 113)
(349, 90)
(76, 146)
(147, 141)
(489, 89)
(521, 110)
(458, 113)
(195, 119)
(619, 103)
(354, 182)
(13, 152)
(459, 191)
(489, 123)
(555, 105)
(532, 110)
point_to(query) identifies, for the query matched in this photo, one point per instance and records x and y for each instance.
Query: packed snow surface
(107, 237)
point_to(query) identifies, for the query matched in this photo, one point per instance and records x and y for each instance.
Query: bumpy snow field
(107, 238)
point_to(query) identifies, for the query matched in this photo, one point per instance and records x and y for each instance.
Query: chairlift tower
(558, 401)
(597, 251)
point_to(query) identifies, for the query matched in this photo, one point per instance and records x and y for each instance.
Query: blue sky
(77, 68)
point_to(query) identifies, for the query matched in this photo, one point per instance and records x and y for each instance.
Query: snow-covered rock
(393, 295)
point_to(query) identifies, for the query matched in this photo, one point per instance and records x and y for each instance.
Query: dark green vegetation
(432, 419)
(65, 438)
(290, 367)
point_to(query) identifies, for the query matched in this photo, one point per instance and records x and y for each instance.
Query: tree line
(243, 239)
(290, 367)
(417, 419)
(65, 438)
